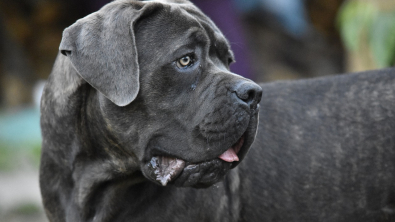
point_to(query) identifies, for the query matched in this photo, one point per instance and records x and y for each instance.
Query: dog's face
(192, 119)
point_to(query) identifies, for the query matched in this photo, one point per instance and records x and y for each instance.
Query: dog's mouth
(165, 169)
(230, 155)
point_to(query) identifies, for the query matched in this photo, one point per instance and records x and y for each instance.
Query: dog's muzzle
(245, 97)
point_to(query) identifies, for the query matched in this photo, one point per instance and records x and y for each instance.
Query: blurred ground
(20, 199)
(19, 159)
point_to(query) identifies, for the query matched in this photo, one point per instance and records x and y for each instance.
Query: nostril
(249, 96)
(249, 92)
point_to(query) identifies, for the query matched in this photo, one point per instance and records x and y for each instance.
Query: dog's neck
(101, 165)
(100, 170)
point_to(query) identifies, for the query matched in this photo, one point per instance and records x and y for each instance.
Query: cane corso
(143, 121)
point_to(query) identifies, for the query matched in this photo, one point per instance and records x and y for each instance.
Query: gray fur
(102, 49)
(324, 150)
(98, 142)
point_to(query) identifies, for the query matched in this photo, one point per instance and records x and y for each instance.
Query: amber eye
(184, 62)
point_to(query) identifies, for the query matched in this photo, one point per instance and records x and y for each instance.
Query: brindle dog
(141, 109)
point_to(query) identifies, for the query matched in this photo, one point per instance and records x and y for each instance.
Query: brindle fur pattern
(324, 149)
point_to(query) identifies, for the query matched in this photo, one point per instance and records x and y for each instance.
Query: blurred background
(272, 40)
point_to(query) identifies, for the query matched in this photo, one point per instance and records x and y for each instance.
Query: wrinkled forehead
(181, 19)
(206, 23)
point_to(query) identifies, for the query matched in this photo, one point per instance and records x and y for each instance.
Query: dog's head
(164, 89)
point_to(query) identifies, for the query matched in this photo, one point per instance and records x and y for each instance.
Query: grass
(11, 155)
(26, 209)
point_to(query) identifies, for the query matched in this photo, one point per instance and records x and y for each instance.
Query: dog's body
(325, 150)
(130, 138)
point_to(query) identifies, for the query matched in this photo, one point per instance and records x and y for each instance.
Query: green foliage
(362, 19)
(355, 17)
(7, 158)
(12, 155)
(382, 39)
(26, 209)
(35, 154)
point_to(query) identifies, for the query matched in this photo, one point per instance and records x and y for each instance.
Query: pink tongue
(229, 155)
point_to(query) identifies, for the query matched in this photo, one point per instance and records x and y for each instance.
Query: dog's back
(325, 150)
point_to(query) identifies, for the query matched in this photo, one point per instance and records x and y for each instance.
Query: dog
(143, 121)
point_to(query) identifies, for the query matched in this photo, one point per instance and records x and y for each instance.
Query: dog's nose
(249, 92)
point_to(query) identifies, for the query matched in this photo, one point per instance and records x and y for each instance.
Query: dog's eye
(185, 62)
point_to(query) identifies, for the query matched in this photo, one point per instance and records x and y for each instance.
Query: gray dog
(141, 109)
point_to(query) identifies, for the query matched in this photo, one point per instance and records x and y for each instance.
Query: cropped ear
(102, 48)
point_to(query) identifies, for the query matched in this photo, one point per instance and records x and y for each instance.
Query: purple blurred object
(225, 16)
